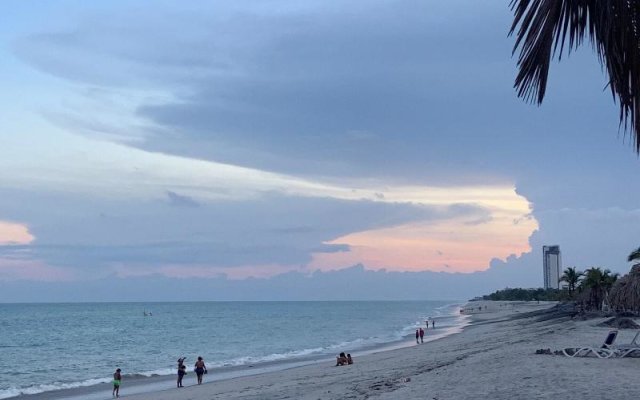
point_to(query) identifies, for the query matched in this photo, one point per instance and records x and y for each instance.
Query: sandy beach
(494, 357)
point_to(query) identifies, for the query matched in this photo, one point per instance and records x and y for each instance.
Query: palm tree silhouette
(634, 255)
(572, 276)
(544, 27)
(599, 282)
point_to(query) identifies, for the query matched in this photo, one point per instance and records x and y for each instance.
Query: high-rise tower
(551, 266)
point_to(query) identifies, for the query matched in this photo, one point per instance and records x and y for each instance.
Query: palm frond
(635, 255)
(544, 27)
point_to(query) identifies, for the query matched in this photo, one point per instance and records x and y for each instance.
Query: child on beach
(182, 371)
(341, 360)
(117, 379)
(349, 359)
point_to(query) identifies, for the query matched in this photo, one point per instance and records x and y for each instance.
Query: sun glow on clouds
(121, 172)
(453, 245)
(12, 268)
(12, 233)
(464, 243)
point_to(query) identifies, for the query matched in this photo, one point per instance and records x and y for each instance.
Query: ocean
(48, 347)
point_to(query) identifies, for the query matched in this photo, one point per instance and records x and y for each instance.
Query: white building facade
(551, 266)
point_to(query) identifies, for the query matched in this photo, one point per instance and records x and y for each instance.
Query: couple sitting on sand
(344, 360)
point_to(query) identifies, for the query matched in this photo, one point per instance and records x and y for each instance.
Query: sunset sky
(237, 141)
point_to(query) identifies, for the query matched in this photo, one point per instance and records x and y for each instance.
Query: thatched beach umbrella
(625, 293)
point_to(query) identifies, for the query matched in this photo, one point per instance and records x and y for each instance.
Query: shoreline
(494, 356)
(141, 384)
(408, 373)
(380, 367)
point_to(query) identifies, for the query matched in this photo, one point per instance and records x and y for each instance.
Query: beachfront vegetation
(591, 288)
(543, 28)
(594, 289)
(519, 294)
(572, 277)
(595, 286)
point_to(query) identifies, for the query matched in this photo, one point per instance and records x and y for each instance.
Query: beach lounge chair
(630, 349)
(605, 351)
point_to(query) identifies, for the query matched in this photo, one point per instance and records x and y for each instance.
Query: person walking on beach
(117, 379)
(200, 369)
(417, 336)
(433, 324)
(421, 336)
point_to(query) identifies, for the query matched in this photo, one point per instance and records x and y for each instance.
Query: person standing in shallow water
(117, 379)
(200, 369)
(182, 371)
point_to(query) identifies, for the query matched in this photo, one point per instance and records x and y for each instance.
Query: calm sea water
(45, 347)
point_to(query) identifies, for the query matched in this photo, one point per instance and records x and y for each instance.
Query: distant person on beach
(421, 335)
(117, 380)
(341, 360)
(200, 369)
(417, 336)
(182, 371)
(349, 359)
(433, 324)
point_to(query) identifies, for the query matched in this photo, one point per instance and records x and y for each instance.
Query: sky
(286, 150)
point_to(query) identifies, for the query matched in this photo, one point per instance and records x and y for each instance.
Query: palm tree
(543, 28)
(635, 255)
(592, 281)
(609, 279)
(599, 283)
(571, 275)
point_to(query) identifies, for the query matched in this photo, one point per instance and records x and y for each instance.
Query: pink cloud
(451, 245)
(11, 269)
(14, 233)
